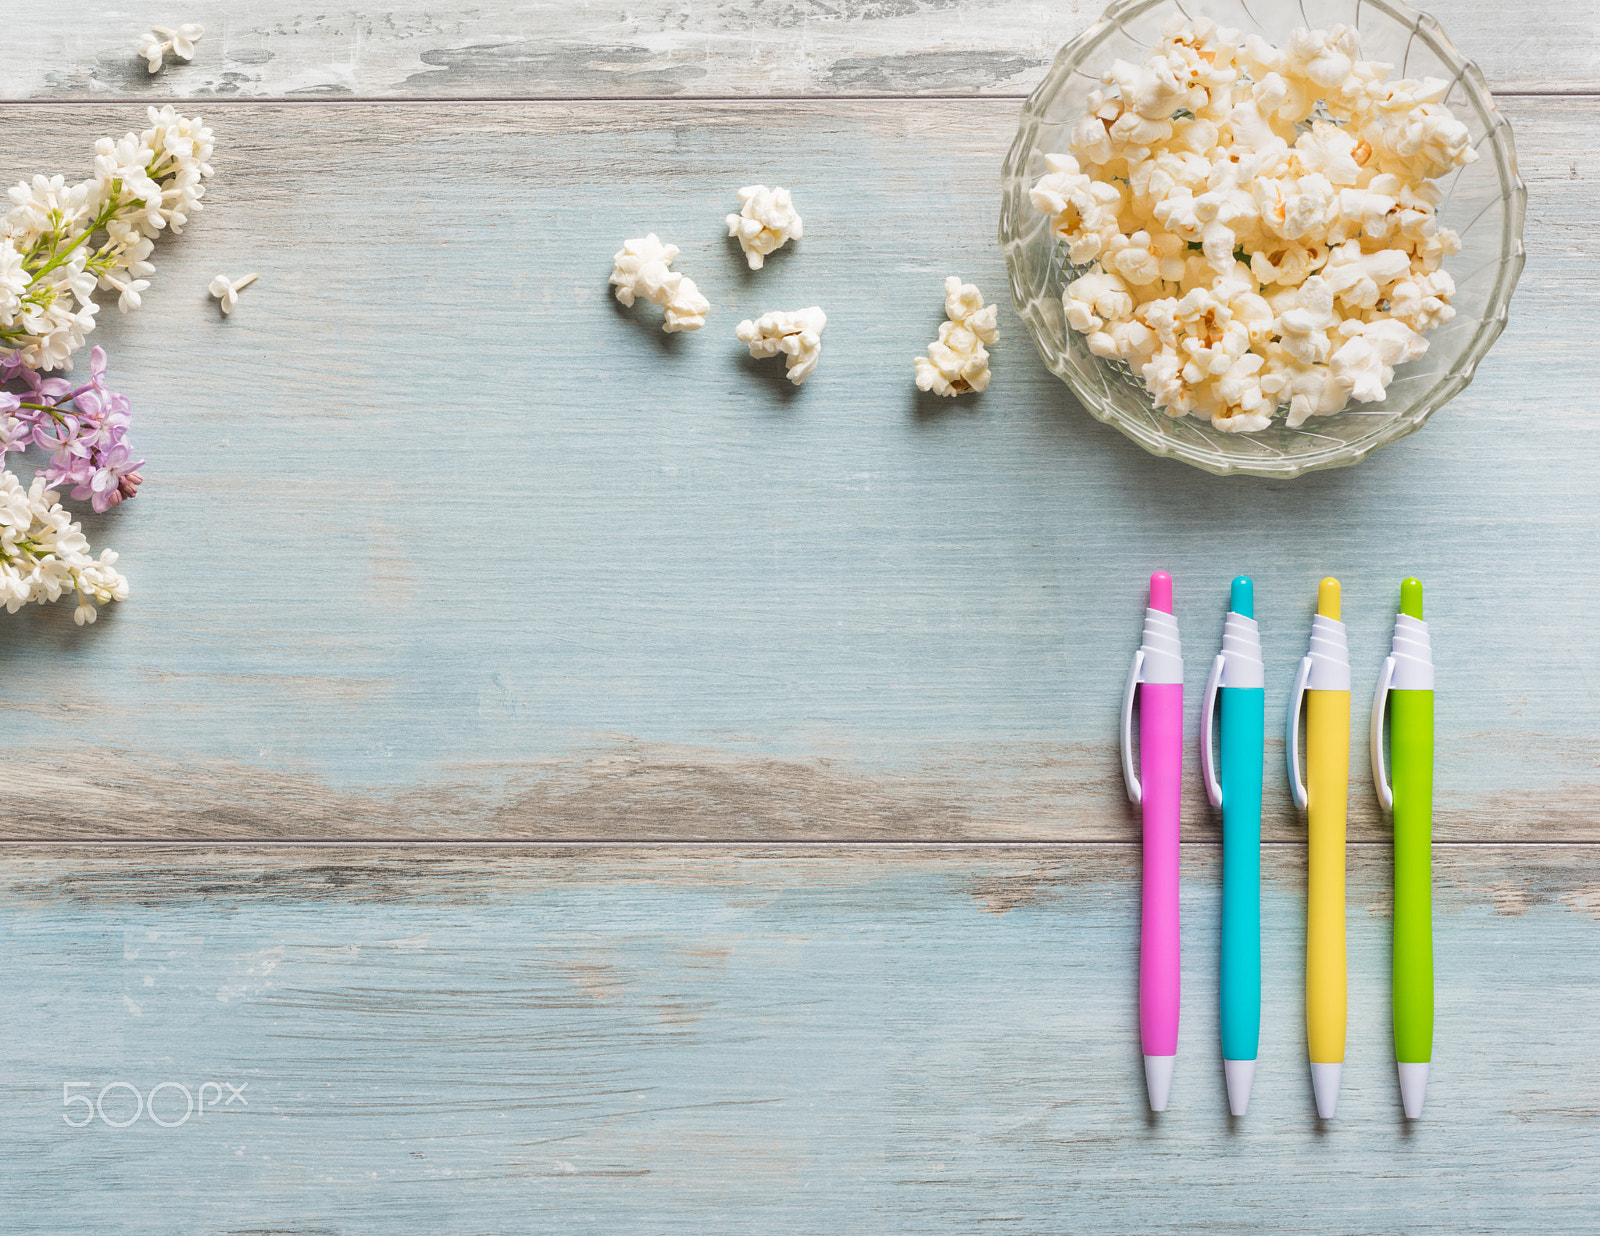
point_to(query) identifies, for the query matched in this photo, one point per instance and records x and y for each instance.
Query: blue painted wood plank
(650, 48)
(439, 539)
(839, 1039)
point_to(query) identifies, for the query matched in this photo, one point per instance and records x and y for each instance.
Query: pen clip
(1208, 708)
(1135, 790)
(1292, 746)
(1380, 706)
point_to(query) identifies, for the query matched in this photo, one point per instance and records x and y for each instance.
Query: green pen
(1405, 691)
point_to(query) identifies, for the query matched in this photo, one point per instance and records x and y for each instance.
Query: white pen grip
(1292, 746)
(1129, 777)
(1380, 707)
(1208, 712)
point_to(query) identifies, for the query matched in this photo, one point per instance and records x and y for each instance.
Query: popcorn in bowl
(1253, 230)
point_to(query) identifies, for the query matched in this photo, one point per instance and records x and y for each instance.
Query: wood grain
(840, 1039)
(440, 541)
(268, 49)
(439, 544)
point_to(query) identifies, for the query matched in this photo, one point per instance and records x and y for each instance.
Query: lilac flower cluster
(84, 427)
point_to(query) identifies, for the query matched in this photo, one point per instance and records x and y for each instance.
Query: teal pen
(1237, 683)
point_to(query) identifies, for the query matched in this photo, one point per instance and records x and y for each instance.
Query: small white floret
(642, 267)
(226, 290)
(797, 334)
(766, 221)
(180, 42)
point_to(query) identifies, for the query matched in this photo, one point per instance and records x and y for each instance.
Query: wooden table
(552, 776)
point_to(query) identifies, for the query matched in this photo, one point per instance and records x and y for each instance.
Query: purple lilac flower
(84, 428)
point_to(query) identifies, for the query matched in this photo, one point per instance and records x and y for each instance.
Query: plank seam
(210, 103)
(532, 843)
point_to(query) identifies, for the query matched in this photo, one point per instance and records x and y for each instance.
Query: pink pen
(1157, 678)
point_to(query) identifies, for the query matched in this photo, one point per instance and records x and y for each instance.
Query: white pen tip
(1158, 1080)
(1325, 1082)
(1413, 1088)
(1240, 1075)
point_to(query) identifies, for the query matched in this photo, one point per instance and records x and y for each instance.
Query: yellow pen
(1323, 684)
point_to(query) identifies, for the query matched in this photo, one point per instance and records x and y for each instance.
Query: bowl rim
(1497, 137)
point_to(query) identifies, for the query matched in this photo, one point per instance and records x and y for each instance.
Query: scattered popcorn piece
(767, 220)
(228, 292)
(797, 334)
(180, 42)
(1255, 226)
(957, 361)
(641, 268)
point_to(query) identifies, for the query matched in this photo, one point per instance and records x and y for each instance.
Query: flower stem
(107, 213)
(53, 409)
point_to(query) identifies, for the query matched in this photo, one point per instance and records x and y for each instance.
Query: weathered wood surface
(647, 48)
(834, 1039)
(439, 541)
(439, 544)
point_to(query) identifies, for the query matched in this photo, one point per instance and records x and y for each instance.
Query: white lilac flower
(161, 40)
(47, 203)
(13, 278)
(154, 52)
(227, 291)
(61, 243)
(44, 554)
(129, 289)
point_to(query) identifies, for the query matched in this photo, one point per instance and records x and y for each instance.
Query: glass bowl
(1483, 202)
